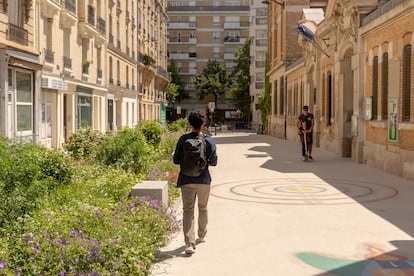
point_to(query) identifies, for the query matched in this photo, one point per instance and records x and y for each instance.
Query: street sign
(211, 106)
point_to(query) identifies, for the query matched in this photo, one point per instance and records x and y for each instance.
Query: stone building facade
(68, 64)
(357, 79)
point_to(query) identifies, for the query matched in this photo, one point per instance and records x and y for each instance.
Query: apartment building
(258, 53)
(68, 64)
(20, 70)
(199, 31)
(152, 62)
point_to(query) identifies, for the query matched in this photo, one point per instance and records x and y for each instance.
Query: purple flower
(3, 264)
(154, 203)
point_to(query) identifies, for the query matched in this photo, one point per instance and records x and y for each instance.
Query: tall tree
(177, 79)
(241, 81)
(212, 80)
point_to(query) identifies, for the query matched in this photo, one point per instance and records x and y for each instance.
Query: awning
(23, 59)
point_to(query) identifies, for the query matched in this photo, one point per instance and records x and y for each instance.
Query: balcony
(85, 68)
(101, 25)
(17, 34)
(49, 56)
(68, 14)
(70, 5)
(91, 16)
(67, 62)
(148, 60)
(50, 8)
(99, 73)
(87, 26)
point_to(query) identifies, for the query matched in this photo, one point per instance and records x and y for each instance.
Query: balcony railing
(101, 25)
(91, 16)
(148, 60)
(17, 34)
(70, 5)
(85, 68)
(49, 56)
(67, 62)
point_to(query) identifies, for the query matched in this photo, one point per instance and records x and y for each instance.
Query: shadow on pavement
(398, 210)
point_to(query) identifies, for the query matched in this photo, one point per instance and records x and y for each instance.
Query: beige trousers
(189, 194)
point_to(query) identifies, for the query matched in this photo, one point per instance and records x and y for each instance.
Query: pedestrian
(195, 152)
(305, 123)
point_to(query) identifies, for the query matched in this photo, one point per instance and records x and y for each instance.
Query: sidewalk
(272, 214)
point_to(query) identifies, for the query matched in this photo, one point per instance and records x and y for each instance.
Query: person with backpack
(195, 152)
(305, 123)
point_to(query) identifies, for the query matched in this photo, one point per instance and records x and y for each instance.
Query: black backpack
(194, 160)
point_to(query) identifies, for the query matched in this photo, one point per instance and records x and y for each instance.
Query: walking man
(195, 152)
(305, 123)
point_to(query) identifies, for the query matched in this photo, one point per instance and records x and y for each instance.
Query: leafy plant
(180, 124)
(83, 143)
(152, 131)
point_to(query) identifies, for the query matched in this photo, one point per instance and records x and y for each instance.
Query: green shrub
(83, 143)
(126, 149)
(28, 173)
(84, 229)
(180, 124)
(152, 131)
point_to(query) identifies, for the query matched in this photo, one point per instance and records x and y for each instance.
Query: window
(384, 87)
(330, 99)
(282, 97)
(24, 101)
(15, 9)
(46, 120)
(375, 89)
(406, 83)
(84, 111)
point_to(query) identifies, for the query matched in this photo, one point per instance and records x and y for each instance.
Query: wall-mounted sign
(393, 120)
(368, 108)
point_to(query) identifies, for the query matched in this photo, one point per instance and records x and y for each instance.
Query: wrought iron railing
(67, 62)
(17, 34)
(49, 56)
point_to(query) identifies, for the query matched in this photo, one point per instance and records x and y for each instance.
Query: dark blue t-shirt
(205, 177)
(306, 118)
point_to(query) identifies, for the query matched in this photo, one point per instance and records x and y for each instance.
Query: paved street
(272, 214)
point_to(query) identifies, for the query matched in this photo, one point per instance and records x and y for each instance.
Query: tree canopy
(175, 92)
(213, 79)
(241, 81)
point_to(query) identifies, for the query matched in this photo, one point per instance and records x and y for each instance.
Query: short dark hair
(196, 119)
(305, 107)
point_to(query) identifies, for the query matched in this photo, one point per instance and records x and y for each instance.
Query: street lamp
(282, 4)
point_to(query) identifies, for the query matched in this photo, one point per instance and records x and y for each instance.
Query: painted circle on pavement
(303, 191)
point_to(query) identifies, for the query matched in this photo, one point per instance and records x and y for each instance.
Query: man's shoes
(304, 158)
(200, 240)
(310, 157)
(190, 248)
